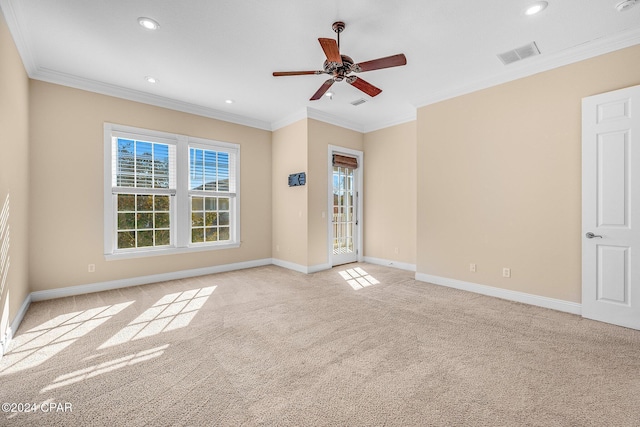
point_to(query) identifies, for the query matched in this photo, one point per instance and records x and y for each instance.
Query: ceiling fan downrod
(338, 27)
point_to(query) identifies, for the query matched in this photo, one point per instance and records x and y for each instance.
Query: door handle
(590, 235)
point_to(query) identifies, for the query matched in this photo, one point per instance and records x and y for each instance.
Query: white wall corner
(537, 300)
(300, 268)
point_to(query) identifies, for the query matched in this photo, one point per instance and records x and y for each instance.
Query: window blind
(341, 160)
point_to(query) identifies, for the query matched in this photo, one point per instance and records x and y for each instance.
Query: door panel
(611, 207)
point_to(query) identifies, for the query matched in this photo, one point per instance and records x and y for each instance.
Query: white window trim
(181, 210)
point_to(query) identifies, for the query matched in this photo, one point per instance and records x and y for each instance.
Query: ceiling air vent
(519, 53)
(358, 102)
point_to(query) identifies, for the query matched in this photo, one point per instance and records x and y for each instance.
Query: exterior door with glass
(345, 215)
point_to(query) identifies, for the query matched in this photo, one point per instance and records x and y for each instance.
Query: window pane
(211, 218)
(162, 220)
(126, 221)
(223, 203)
(223, 171)
(163, 237)
(160, 166)
(197, 219)
(196, 203)
(126, 202)
(195, 169)
(161, 203)
(210, 170)
(223, 233)
(211, 234)
(210, 203)
(126, 239)
(144, 165)
(144, 202)
(144, 220)
(125, 166)
(145, 238)
(197, 235)
(224, 218)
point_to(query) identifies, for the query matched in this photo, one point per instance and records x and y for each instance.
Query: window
(168, 193)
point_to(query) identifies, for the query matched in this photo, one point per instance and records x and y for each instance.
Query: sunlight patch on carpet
(172, 311)
(103, 368)
(39, 344)
(358, 278)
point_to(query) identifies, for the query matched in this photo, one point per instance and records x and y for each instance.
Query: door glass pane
(343, 210)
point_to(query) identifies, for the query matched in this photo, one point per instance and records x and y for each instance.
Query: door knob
(590, 235)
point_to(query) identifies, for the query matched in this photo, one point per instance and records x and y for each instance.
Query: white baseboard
(390, 263)
(540, 301)
(300, 268)
(8, 336)
(143, 280)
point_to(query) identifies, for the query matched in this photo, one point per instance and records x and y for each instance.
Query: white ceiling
(207, 51)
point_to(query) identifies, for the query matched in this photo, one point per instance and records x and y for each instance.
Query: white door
(611, 207)
(345, 215)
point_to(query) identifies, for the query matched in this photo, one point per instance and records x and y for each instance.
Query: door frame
(358, 176)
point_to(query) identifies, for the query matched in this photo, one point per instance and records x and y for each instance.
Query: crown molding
(289, 120)
(393, 121)
(322, 116)
(542, 63)
(9, 13)
(69, 80)
(312, 113)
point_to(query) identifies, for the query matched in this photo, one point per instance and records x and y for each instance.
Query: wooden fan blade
(295, 73)
(377, 64)
(364, 86)
(325, 87)
(331, 51)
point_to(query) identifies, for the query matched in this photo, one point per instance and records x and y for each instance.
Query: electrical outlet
(396, 250)
(506, 272)
(472, 268)
(92, 268)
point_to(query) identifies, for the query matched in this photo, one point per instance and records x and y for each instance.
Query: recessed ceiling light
(148, 23)
(536, 7)
(151, 79)
(229, 101)
(329, 94)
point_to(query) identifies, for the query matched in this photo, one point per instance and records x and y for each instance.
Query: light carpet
(358, 345)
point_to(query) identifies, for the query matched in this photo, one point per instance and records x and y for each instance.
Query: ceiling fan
(340, 66)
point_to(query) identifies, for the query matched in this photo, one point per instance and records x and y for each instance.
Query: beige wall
(499, 178)
(390, 193)
(289, 203)
(299, 228)
(14, 179)
(321, 135)
(66, 169)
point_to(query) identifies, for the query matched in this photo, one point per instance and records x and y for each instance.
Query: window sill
(168, 251)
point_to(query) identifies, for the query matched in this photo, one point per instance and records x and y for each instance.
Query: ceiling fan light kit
(340, 67)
